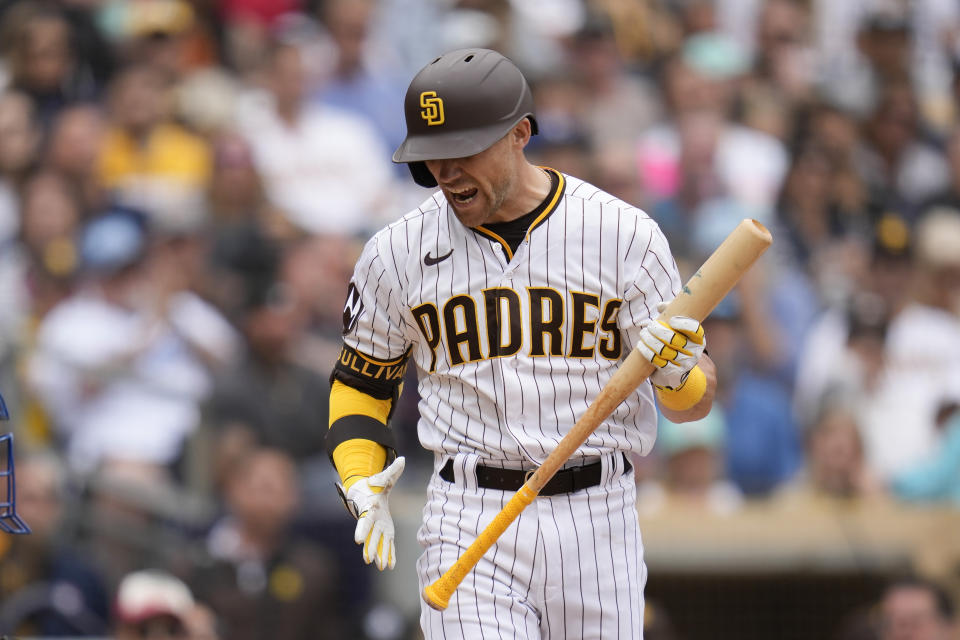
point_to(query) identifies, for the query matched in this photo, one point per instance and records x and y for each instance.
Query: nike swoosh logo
(429, 260)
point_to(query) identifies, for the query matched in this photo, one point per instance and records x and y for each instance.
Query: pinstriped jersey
(511, 347)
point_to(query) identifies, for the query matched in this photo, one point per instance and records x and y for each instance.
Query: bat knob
(433, 597)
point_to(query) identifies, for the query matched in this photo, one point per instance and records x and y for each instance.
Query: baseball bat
(702, 292)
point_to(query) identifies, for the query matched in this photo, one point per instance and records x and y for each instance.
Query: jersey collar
(539, 214)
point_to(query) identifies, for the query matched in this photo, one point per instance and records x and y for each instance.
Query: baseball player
(515, 290)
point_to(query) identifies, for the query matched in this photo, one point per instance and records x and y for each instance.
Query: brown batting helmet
(459, 105)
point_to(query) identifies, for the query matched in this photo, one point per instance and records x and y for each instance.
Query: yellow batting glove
(674, 347)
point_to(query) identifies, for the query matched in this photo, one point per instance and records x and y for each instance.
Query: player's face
(478, 186)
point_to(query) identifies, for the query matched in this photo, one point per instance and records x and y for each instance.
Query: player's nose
(444, 171)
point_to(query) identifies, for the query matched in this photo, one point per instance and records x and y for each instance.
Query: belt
(564, 481)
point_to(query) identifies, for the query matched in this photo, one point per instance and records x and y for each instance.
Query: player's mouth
(463, 196)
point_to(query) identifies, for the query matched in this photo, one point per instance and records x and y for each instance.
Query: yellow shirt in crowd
(170, 152)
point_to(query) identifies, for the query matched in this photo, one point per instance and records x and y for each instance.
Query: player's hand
(674, 347)
(367, 501)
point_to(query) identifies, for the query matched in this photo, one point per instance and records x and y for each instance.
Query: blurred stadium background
(184, 188)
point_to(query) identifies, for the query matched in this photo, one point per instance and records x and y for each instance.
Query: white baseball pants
(570, 566)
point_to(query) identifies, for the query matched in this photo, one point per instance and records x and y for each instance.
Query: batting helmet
(459, 105)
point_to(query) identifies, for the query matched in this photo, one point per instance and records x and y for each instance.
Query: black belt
(564, 481)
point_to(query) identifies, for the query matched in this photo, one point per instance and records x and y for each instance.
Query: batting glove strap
(368, 501)
(674, 347)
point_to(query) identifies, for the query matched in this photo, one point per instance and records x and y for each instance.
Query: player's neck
(532, 187)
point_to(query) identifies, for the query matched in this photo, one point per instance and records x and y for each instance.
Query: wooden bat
(705, 289)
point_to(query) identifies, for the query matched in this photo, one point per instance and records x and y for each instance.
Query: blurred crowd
(186, 184)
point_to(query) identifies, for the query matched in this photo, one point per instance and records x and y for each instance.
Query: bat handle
(438, 594)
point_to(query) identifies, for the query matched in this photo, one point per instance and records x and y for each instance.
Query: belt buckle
(528, 475)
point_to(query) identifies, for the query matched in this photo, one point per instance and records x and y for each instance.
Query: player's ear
(520, 134)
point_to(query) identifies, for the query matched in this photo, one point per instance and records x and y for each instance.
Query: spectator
(784, 54)
(762, 442)
(133, 514)
(859, 365)
(362, 80)
(166, 36)
(263, 581)
(154, 605)
(315, 269)
(938, 242)
(936, 479)
(327, 170)
(812, 213)
(622, 105)
(697, 16)
(50, 217)
(129, 348)
(835, 456)
(900, 169)
(916, 609)
(236, 196)
(835, 464)
(47, 587)
(884, 41)
(147, 161)
(73, 149)
(693, 477)
(35, 37)
(884, 287)
(19, 143)
(266, 393)
(243, 260)
(95, 61)
(870, 49)
(900, 428)
(823, 217)
(832, 130)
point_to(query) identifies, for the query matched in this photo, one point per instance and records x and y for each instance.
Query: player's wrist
(348, 483)
(687, 395)
(358, 459)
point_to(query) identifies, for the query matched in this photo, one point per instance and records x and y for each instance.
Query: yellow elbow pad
(689, 393)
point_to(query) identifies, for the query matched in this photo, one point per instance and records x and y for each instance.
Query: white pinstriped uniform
(510, 349)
